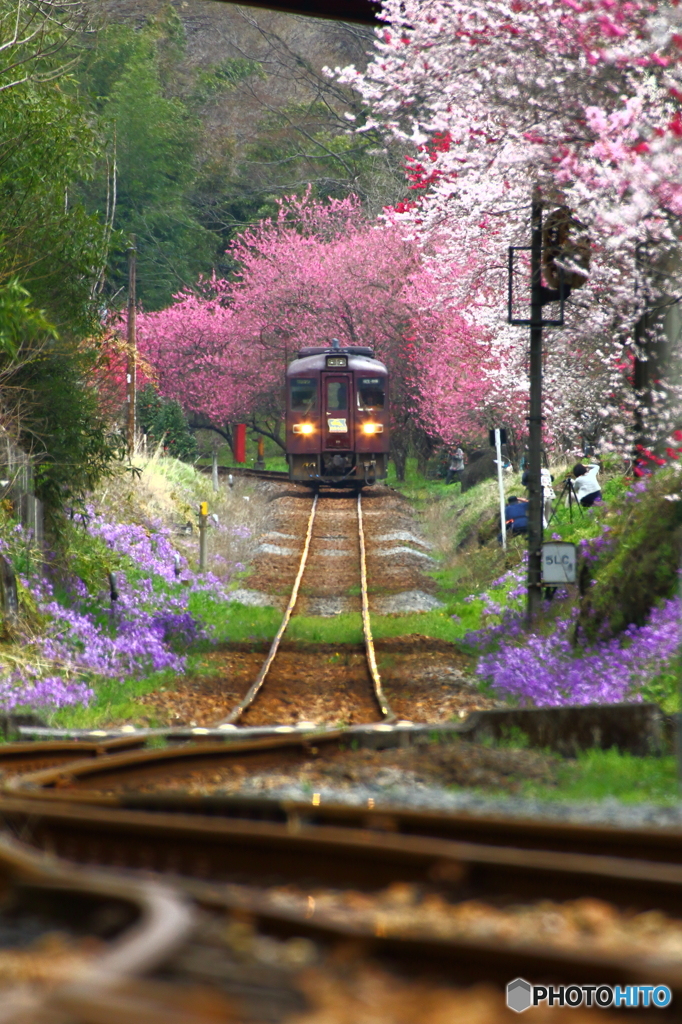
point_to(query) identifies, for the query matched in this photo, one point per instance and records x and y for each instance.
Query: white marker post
(500, 483)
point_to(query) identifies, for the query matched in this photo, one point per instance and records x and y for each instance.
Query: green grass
(603, 774)
(236, 623)
(114, 701)
(233, 621)
(117, 701)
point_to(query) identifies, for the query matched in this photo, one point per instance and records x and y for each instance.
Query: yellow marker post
(203, 518)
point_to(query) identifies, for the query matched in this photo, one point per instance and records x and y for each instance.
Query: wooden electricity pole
(131, 378)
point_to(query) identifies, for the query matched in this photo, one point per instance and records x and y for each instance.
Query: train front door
(337, 410)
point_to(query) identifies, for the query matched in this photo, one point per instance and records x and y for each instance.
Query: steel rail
(92, 781)
(259, 474)
(381, 699)
(29, 756)
(83, 780)
(153, 921)
(240, 708)
(263, 853)
(200, 847)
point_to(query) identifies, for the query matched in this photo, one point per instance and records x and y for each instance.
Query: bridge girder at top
(363, 11)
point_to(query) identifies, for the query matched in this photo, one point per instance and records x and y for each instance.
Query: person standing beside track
(456, 467)
(548, 495)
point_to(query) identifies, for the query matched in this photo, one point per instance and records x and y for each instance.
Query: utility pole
(214, 468)
(131, 376)
(535, 529)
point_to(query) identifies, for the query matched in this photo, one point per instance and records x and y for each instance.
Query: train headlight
(372, 428)
(303, 428)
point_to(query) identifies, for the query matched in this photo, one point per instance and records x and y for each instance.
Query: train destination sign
(558, 562)
(337, 426)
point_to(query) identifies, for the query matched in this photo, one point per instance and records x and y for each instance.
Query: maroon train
(337, 420)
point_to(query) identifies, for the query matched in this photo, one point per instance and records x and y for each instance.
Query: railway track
(20, 758)
(263, 861)
(72, 934)
(245, 471)
(316, 532)
(276, 873)
(159, 781)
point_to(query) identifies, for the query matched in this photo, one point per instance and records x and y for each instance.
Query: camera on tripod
(568, 491)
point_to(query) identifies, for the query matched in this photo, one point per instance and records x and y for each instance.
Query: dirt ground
(456, 763)
(426, 680)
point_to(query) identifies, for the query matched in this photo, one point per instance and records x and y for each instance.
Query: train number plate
(337, 426)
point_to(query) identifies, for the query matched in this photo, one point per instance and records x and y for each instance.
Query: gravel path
(424, 797)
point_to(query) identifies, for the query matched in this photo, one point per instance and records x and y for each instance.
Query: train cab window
(303, 394)
(371, 394)
(337, 395)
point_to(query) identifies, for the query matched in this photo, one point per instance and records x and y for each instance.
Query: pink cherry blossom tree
(579, 99)
(319, 271)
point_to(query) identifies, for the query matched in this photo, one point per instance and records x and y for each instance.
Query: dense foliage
(164, 423)
(316, 272)
(52, 253)
(151, 141)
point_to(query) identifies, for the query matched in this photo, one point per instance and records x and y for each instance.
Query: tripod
(567, 489)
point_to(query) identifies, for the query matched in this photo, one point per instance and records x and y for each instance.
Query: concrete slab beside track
(639, 729)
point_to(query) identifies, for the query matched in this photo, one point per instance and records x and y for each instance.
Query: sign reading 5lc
(558, 562)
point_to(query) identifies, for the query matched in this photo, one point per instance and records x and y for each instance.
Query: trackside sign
(558, 562)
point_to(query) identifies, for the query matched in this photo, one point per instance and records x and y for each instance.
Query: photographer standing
(548, 495)
(586, 486)
(456, 467)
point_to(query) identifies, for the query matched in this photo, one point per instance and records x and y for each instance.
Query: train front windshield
(371, 394)
(337, 395)
(303, 395)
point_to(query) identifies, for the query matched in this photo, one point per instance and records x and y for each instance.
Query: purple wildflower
(549, 671)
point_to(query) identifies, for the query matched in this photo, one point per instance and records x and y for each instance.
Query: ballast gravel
(402, 550)
(388, 792)
(254, 598)
(403, 604)
(410, 538)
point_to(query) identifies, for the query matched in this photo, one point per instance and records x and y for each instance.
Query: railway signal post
(559, 248)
